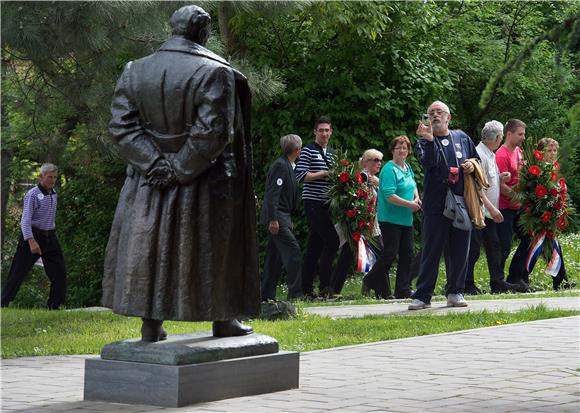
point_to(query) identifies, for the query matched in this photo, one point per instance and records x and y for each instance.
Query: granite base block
(181, 385)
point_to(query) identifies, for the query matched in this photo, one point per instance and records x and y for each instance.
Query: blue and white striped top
(312, 159)
(39, 211)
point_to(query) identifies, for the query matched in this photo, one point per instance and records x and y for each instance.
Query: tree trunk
(225, 14)
(6, 153)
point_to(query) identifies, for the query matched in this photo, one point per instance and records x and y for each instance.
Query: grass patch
(43, 333)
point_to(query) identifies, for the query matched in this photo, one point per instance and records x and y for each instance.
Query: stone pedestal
(189, 368)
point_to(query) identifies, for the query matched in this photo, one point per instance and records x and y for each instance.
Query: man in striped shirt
(38, 239)
(312, 168)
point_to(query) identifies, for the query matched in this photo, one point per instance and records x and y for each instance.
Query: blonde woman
(370, 165)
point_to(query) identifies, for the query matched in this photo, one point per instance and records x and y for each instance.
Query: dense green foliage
(42, 333)
(372, 66)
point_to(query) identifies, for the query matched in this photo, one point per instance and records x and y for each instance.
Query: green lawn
(37, 332)
(42, 332)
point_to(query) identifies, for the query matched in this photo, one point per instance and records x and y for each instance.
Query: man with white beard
(444, 155)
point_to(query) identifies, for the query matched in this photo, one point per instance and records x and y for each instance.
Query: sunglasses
(375, 160)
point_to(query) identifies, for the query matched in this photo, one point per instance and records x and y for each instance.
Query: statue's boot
(230, 328)
(152, 330)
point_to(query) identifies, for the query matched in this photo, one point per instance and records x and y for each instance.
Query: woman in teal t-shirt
(398, 200)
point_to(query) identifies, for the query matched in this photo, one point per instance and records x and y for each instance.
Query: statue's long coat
(188, 252)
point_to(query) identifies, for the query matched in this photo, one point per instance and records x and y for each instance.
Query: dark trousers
(322, 246)
(490, 239)
(283, 250)
(397, 242)
(505, 230)
(437, 234)
(23, 261)
(346, 259)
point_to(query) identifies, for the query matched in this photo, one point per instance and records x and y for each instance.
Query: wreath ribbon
(555, 262)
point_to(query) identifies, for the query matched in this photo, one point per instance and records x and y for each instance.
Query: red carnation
(550, 234)
(553, 191)
(359, 178)
(361, 223)
(558, 206)
(351, 213)
(553, 176)
(361, 193)
(356, 236)
(344, 177)
(344, 162)
(541, 191)
(538, 155)
(371, 209)
(535, 170)
(546, 217)
(557, 166)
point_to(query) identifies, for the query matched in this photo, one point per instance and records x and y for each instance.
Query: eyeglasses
(436, 112)
(375, 160)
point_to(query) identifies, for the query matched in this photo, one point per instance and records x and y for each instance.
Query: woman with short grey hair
(289, 143)
(280, 201)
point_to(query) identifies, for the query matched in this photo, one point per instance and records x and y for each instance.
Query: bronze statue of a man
(183, 241)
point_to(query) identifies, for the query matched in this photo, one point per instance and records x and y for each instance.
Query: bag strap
(443, 150)
(324, 156)
(447, 163)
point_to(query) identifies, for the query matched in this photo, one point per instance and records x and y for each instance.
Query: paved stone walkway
(439, 308)
(527, 367)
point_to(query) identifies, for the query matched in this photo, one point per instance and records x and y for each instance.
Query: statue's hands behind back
(161, 175)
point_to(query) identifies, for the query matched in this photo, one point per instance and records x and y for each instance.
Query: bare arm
(397, 200)
(313, 176)
(506, 190)
(493, 211)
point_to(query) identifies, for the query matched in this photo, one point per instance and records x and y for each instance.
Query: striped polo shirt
(312, 159)
(39, 211)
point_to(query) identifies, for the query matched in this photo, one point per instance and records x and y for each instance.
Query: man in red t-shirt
(508, 159)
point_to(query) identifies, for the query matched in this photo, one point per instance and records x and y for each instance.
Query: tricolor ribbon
(555, 263)
(366, 258)
(535, 251)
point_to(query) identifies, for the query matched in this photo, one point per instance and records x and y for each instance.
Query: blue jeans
(505, 230)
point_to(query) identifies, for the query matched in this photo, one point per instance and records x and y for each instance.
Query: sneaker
(418, 305)
(456, 300)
